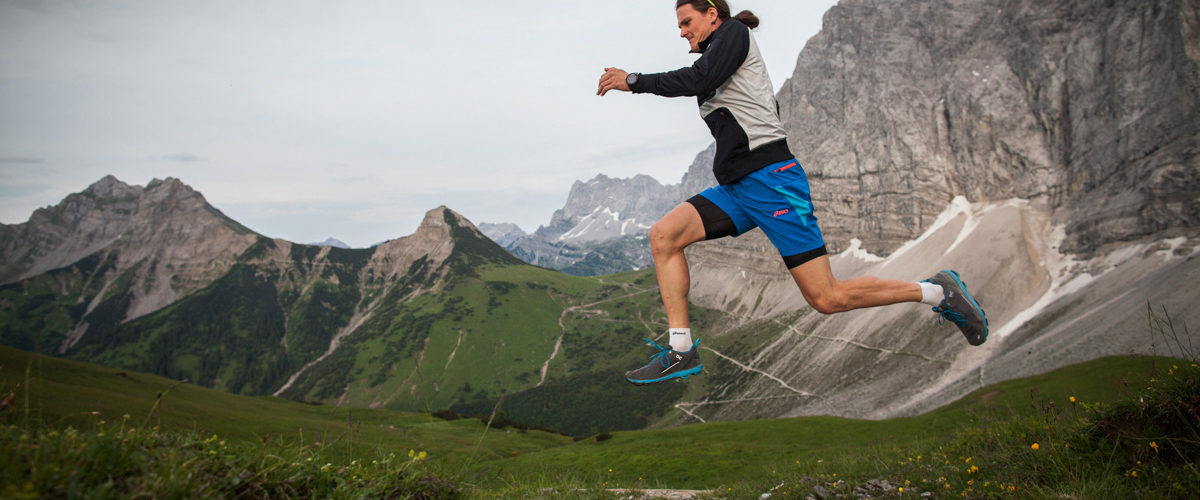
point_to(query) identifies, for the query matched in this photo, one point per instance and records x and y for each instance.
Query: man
(760, 185)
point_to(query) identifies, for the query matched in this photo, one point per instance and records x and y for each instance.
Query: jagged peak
(171, 185)
(111, 187)
(443, 219)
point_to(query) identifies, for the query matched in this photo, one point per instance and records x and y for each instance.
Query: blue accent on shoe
(661, 355)
(662, 358)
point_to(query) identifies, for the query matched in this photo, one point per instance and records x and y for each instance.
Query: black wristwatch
(632, 79)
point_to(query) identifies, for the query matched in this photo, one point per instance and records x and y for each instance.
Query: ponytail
(746, 17)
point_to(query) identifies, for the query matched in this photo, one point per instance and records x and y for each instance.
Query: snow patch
(856, 250)
(958, 206)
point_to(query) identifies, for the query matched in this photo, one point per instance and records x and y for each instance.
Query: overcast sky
(312, 119)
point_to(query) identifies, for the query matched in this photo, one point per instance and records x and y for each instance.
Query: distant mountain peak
(331, 242)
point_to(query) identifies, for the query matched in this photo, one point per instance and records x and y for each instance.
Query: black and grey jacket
(731, 84)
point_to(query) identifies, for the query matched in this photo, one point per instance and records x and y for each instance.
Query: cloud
(184, 158)
(21, 160)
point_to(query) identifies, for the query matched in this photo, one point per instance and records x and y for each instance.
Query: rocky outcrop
(896, 107)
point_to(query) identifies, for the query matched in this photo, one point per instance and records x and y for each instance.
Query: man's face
(695, 25)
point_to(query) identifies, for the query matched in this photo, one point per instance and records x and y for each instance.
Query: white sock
(681, 339)
(931, 294)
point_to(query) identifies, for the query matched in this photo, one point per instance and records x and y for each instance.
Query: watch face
(632, 79)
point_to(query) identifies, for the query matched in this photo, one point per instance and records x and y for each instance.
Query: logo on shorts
(782, 212)
(785, 167)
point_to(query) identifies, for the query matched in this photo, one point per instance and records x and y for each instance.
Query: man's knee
(828, 303)
(664, 238)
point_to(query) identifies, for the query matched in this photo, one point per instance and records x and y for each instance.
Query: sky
(306, 120)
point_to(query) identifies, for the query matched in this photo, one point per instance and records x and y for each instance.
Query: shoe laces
(662, 357)
(946, 314)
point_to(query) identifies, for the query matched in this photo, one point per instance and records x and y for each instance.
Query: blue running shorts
(775, 198)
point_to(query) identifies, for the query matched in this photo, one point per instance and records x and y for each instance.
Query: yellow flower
(1034, 447)
(422, 455)
(1134, 473)
(1072, 399)
(1155, 446)
(901, 489)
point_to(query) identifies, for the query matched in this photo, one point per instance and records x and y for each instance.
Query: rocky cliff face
(1089, 108)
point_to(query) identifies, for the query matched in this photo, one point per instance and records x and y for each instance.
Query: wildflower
(1134, 473)
(1072, 399)
(1154, 445)
(1034, 447)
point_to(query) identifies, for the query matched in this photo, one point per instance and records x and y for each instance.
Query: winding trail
(562, 326)
(760, 372)
(854, 343)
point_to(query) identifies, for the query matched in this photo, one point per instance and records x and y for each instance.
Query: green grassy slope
(70, 393)
(742, 457)
(711, 454)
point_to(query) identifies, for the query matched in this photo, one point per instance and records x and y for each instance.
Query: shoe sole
(682, 375)
(971, 299)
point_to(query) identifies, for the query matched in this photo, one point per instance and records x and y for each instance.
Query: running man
(760, 185)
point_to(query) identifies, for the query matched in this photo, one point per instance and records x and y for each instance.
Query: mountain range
(1046, 150)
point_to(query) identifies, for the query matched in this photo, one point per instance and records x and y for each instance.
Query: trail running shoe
(667, 364)
(960, 308)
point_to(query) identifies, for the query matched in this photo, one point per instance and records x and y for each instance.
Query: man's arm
(720, 61)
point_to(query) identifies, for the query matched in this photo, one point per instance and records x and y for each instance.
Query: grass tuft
(117, 460)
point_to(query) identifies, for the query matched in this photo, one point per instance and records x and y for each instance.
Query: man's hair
(746, 17)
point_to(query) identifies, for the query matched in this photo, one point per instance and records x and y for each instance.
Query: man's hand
(613, 79)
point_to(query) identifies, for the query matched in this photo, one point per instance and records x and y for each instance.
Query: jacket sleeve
(724, 55)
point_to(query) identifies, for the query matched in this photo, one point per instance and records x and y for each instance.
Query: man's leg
(951, 300)
(669, 236)
(681, 227)
(828, 295)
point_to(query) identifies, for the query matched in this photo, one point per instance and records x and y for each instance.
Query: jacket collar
(708, 41)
